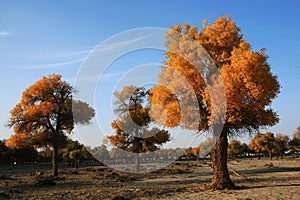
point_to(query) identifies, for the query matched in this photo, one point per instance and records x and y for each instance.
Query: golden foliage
(132, 131)
(297, 132)
(193, 90)
(18, 140)
(165, 104)
(44, 115)
(256, 143)
(263, 142)
(234, 147)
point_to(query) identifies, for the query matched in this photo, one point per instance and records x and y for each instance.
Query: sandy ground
(258, 179)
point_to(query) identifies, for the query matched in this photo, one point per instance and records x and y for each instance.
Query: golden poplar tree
(184, 96)
(133, 132)
(46, 115)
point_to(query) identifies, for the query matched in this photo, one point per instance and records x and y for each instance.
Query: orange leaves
(245, 75)
(133, 131)
(220, 38)
(256, 143)
(45, 112)
(18, 140)
(43, 89)
(195, 151)
(297, 132)
(165, 109)
(161, 95)
(249, 83)
(40, 110)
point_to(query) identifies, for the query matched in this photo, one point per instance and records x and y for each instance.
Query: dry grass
(258, 179)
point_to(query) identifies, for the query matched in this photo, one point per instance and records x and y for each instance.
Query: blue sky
(38, 38)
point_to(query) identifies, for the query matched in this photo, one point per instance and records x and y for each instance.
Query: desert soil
(257, 179)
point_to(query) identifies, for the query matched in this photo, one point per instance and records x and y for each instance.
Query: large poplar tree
(249, 87)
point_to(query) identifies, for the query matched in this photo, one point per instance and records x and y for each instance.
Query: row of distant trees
(262, 144)
(73, 154)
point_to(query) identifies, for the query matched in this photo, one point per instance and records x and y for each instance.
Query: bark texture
(221, 179)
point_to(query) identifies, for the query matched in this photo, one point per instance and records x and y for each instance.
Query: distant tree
(234, 148)
(45, 116)
(74, 152)
(256, 144)
(205, 147)
(245, 149)
(294, 143)
(170, 153)
(263, 143)
(196, 152)
(3, 152)
(25, 154)
(249, 86)
(119, 154)
(297, 132)
(269, 143)
(281, 144)
(101, 152)
(45, 155)
(133, 132)
(188, 153)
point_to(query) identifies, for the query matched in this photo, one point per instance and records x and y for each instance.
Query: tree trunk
(270, 154)
(221, 179)
(77, 163)
(55, 161)
(137, 162)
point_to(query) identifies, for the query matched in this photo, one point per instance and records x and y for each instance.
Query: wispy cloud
(4, 33)
(105, 53)
(57, 59)
(54, 65)
(83, 51)
(60, 64)
(113, 76)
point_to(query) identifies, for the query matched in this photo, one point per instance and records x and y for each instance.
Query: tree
(256, 144)
(25, 155)
(263, 143)
(297, 132)
(46, 115)
(74, 152)
(269, 144)
(205, 147)
(234, 148)
(133, 131)
(3, 152)
(281, 144)
(294, 144)
(245, 149)
(249, 87)
(188, 153)
(196, 152)
(101, 152)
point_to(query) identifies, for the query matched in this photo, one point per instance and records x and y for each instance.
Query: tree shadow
(270, 170)
(279, 181)
(267, 186)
